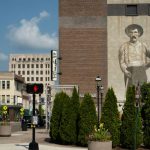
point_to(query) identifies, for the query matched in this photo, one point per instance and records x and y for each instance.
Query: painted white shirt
(131, 55)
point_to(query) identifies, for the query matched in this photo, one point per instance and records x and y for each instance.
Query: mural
(133, 56)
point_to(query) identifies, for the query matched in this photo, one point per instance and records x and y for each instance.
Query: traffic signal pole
(33, 145)
(34, 88)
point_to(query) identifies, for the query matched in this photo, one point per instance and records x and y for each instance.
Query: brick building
(91, 33)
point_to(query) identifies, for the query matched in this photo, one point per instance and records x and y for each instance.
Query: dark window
(32, 65)
(28, 79)
(28, 65)
(28, 72)
(131, 10)
(37, 78)
(37, 65)
(8, 84)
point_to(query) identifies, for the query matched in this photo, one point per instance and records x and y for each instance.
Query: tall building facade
(34, 68)
(96, 38)
(83, 43)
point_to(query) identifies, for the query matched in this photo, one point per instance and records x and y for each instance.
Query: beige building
(12, 92)
(34, 68)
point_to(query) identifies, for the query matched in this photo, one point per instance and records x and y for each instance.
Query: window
(33, 59)
(41, 78)
(131, 10)
(23, 72)
(3, 98)
(41, 72)
(8, 98)
(32, 65)
(23, 65)
(12, 65)
(28, 65)
(28, 72)
(8, 84)
(37, 78)
(37, 65)
(32, 78)
(19, 72)
(32, 72)
(37, 72)
(41, 65)
(28, 79)
(19, 66)
(3, 84)
(28, 59)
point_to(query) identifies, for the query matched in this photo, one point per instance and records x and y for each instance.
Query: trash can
(24, 125)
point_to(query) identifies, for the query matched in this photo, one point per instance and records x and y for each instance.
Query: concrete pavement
(20, 141)
(25, 146)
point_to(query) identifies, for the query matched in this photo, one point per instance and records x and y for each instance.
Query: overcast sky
(27, 26)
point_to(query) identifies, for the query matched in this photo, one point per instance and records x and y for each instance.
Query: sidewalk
(20, 141)
(25, 146)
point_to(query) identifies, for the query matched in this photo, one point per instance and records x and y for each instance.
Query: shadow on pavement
(25, 146)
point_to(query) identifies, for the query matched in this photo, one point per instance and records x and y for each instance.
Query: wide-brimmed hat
(132, 27)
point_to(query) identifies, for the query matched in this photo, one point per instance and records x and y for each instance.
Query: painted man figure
(133, 56)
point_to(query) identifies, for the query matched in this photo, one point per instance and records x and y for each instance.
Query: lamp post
(137, 105)
(98, 80)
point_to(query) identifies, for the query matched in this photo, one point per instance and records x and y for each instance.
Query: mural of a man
(133, 56)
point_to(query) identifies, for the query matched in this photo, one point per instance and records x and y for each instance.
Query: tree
(131, 122)
(146, 121)
(65, 122)
(110, 117)
(87, 119)
(56, 117)
(75, 103)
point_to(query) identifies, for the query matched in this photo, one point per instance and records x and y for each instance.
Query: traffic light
(34, 88)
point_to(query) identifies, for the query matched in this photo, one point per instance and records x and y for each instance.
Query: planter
(5, 130)
(97, 145)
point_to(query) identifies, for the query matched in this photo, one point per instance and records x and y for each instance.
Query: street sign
(35, 88)
(35, 120)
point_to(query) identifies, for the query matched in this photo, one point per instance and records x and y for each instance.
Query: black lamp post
(137, 105)
(102, 90)
(98, 80)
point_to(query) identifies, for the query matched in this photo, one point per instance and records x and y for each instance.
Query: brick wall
(83, 48)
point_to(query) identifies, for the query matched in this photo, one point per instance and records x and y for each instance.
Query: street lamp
(98, 80)
(137, 105)
(102, 91)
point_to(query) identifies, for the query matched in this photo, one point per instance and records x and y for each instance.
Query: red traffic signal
(34, 88)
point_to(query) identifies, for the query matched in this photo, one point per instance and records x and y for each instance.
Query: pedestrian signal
(34, 88)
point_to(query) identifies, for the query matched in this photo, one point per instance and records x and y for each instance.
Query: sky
(27, 27)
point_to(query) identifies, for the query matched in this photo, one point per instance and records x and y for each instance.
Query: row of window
(5, 99)
(30, 59)
(47, 72)
(37, 79)
(30, 65)
(4, 84)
